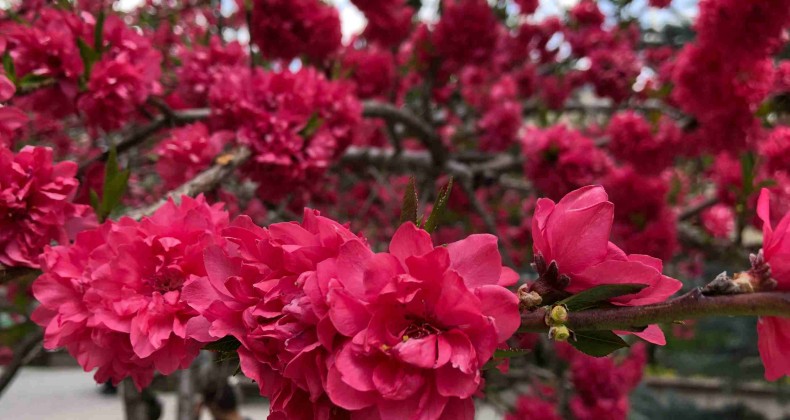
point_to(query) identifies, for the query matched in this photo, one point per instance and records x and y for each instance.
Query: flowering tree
(154, 164)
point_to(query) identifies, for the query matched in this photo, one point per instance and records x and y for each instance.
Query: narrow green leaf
(597, 343)
(408, 210)
(8, 67)
(89, 56)
(95, 202)
(225, 344)
(115, 184)
(98, 34)
(591, 297)
(439, 206)
(313, 124)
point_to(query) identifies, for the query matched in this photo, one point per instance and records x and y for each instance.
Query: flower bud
(559, 333)
(558, 315)
(527, 299)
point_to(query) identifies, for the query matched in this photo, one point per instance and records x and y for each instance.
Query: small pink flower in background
(774, 333)
(559, 160)
(574, 234)
(389, 22)
(602, 385)
(419, 323)
(287, 29)
(719, 220)
(113, 298)
(188, 151)
(36, 205)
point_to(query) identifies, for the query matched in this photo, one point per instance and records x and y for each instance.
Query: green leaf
(225, 344)
(32, 80)
(591, 297)
(89, 56)
(597, 343)
(313, 124)
(98, 33)
(439, 207)
(8, 67)
(95, 202)
(408, 209)
(115, 184)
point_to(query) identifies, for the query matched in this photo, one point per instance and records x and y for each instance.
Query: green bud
(559, 333)
(559, 315)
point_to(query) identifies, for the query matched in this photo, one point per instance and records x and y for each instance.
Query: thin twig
(27, 346)
(690, 306)
(203, 182)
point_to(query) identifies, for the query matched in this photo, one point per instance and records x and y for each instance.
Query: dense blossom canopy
(154, 157)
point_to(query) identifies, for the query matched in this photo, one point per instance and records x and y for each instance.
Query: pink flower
(295, 123)
(36, 205)
(467, 33)
(113, 298)
(372, 70)
(719, 220)
(529, 407)
(200, 65)
(188, 151)
(559, 160)
(389, 22)
(632, 139)
(574, 235)
(287, 29)
(602, 386)
(262, 290)
(419, 323)
(774, 333)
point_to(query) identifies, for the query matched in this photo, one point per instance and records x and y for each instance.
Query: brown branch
(203, 182)
(690, 306)
(29, 344)
(693, 211)
(421, 129)
(140, 135)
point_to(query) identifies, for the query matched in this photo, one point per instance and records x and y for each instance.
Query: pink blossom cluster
(602, 385)
(188, 151)
(201, 65)
(114, 298)
(634, 140)
(723, 77)
(389, 22)
(560, 159)
(295, 123)
(36, 205)
(372, 70)
(288, 29)
(326, 324)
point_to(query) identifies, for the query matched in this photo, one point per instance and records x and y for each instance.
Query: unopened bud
(527, 299)
(559, 333)
(745, 282)
(558, 315)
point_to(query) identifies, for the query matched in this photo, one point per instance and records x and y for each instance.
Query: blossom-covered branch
(693, 305)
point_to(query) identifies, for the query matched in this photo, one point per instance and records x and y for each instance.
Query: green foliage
(115, 184)
(439, 207)
(591, 298)
(408, 210)
(597, 343)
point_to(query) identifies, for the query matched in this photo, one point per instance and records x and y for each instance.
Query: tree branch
(690, 306)
(138, 136)
(422, 130)
(25, 348)
(205, 181)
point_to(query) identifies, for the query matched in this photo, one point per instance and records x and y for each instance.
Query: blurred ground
(71, 394)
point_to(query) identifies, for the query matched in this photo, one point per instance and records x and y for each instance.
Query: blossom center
(167, 279)
(419, 329)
